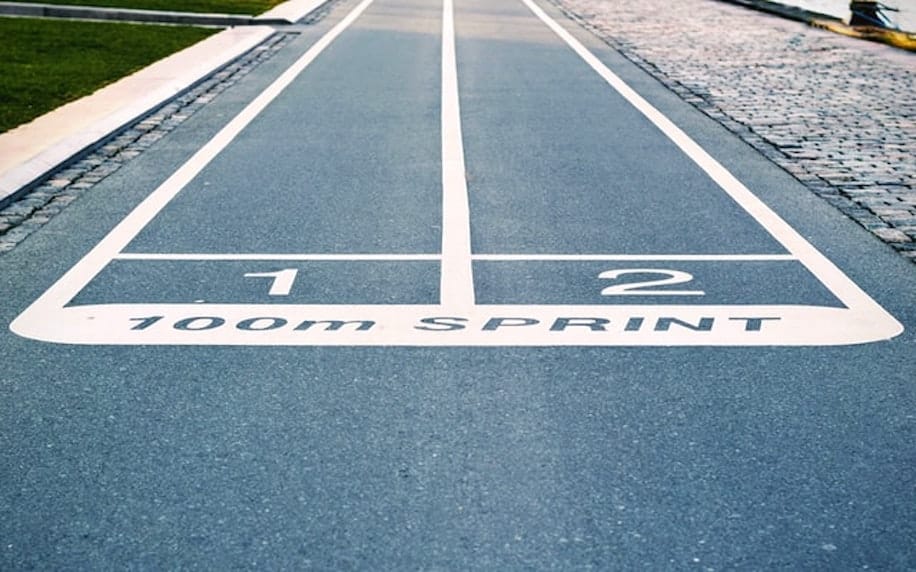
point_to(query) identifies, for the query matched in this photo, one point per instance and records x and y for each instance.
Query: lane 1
(345, 160)
(252, 282)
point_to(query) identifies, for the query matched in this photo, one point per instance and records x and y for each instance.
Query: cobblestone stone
(836, 114)
(892, 235)
(23, 217)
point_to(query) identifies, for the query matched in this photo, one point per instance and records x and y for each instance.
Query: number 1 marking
(144, 322)
(282, 282)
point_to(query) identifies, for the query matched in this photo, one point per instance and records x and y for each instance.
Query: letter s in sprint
(441, 324)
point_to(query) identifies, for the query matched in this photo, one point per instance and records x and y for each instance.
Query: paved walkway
(839, 114)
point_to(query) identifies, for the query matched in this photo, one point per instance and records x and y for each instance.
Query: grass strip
(251, 7)
(47, 63)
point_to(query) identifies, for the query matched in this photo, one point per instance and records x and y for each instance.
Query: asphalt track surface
(455, 287)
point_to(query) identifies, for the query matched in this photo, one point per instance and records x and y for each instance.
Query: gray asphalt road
(335, 322)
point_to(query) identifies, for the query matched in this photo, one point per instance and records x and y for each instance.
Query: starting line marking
(281, 257)
(456, 320)
(482, 257)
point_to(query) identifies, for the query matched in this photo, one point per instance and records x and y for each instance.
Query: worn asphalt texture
(465, 458)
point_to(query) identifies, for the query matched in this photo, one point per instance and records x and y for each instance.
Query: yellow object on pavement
(896, 38)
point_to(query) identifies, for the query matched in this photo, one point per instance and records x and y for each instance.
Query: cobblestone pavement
(837, 113)
(23, 217)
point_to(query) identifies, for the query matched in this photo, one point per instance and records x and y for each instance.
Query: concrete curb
(289, 12)
(284, 14)
(32, 151)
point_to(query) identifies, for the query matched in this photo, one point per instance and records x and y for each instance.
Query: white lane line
(636, 257)
(832, 277)
(457, 282)
(436, 257)
(86, 269)
(290, 257)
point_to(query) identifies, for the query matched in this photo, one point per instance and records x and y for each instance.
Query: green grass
(46, 63)
(216, 6)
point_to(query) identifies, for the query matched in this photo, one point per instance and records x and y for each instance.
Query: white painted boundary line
(281, 257)
(839, 284)
(456, 282)
(481, 257)
(70, 284)
(635, 257)
(486, 325)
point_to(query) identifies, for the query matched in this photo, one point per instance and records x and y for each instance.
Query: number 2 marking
(639, 288)
(282, 282)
